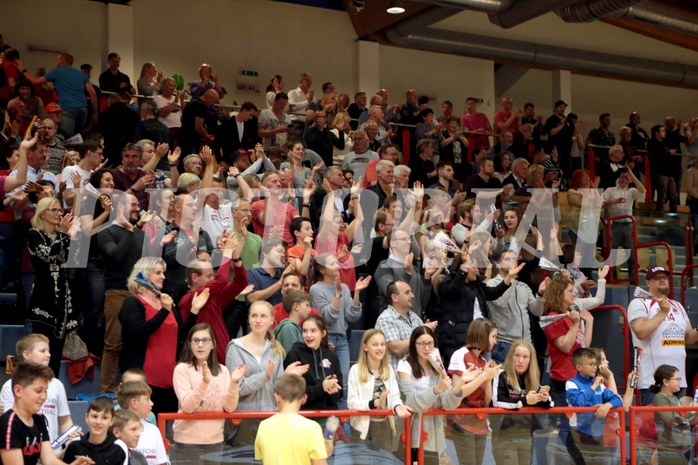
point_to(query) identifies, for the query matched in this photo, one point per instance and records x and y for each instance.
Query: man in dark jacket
(464, 297)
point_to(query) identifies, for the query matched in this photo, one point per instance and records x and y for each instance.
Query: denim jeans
(341, 350)
(72, 121)
(500, 351)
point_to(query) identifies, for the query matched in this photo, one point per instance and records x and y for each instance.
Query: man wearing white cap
(661, 328)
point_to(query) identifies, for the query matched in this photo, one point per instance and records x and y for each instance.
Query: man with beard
(661, 328)
(602, 136)
(128, 178)
(122, 244)
(183, 241)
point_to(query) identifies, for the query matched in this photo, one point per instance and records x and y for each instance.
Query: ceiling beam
(669, 37)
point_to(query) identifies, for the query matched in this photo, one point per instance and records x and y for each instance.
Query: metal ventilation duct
(523, 11)
(664, 17)
(586, 11)
(487, 47)
(486, 6)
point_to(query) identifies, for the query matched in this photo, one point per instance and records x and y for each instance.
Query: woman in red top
(152, 330)
(335, 237)
(567, 329)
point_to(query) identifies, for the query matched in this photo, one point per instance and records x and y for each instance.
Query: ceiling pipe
(494, 48)
(522, 11)
(586, 11)
(486, 6)
(664, 17)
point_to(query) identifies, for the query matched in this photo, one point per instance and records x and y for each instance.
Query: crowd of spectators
(307, 218)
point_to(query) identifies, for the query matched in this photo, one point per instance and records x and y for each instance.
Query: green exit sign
(478, 100)
(247, 72)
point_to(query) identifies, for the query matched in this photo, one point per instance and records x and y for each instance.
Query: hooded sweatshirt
(288, 332)
(510, 311)
(322, 363)
(256, 390)
(105, 453)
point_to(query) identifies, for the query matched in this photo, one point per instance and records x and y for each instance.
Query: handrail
(683, 280)
(689, 253)
(607, 243)
(648, 181)
(236, 417)
(636, 246)
(481, 414)
(625, 331)
(634, 432)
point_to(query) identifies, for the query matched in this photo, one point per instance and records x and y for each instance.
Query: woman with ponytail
(673, 428)
(264, 356)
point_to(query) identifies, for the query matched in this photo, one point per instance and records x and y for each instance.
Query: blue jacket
(580, 394)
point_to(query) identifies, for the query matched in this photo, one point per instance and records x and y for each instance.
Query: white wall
(592, 96)
(74, 26)
(440, 76)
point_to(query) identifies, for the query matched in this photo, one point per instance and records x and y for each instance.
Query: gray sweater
(423, 399)
(336, 319)
(256, 390)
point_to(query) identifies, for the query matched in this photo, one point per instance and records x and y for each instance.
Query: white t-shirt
(56, 404)
(150, 444)
(124, 447)
(419, 383)
(214, 222)
(174, 119)
(66, 177)
(666, 346)
(457, 363)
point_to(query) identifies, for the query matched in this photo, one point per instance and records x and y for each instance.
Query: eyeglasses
(593, 364)
(57, 211)
(425, 345)
(401, 238)
(677, 379)
(201, 341)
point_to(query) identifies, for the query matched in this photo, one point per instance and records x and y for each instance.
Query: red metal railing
(236, 417)
(633, 277)
(634, 431)
(481, 414)
(625, 331)
(684, 274)
(689, 256)
(592, 163)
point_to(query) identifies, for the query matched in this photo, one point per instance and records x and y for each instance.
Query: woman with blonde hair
(188, 182)
(342, 120)
(264, 357)
(152, 330)
(373, 385)
(517, 386)
(150, 80)
(51, 309)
